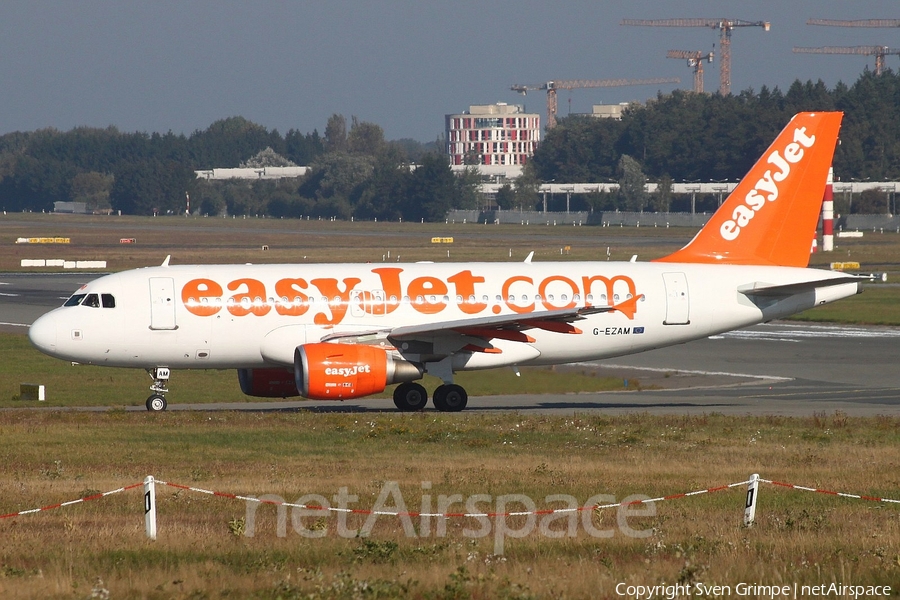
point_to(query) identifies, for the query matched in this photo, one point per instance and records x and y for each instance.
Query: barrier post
(150, 506)
(750, 507)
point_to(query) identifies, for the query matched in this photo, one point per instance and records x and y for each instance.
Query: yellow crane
(725, 26)
(879, 52)
(571, 84)
(695, 59)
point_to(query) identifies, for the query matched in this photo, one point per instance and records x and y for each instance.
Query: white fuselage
(252, 316)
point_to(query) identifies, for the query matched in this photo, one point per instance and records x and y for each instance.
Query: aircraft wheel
(410, 397)
(156, 403)
(439, 398)
(450, 398)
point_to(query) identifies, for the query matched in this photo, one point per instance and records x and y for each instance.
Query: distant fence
(603, 218)
(638, 219)
(869, 222)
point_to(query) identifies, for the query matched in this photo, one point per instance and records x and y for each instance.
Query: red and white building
(493, 134)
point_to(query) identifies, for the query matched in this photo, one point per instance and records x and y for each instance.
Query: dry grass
(214, 240)
(800, 537)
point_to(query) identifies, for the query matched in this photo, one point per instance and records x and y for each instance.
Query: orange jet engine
(337, 371)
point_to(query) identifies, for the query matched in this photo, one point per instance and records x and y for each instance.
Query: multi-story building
(493, 134)
(609, 111)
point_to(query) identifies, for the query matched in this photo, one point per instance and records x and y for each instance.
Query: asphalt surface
(26, 296)
(781, 368)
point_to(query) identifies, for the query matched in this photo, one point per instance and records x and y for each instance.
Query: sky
(180, 65)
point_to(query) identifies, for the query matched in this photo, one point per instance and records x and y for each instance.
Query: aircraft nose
(42, 333)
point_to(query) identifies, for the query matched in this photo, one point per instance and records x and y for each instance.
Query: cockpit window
(92, 300)
(75, 300)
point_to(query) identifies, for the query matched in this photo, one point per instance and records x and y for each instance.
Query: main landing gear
(157, 401)
(411, 396)
(450, 398)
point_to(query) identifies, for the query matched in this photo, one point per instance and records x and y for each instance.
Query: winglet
(165, 263)
(628, 307)
(770, 218)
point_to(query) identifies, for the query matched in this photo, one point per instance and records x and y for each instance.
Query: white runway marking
(15, 324)
(762, 337)
(797, 333)
(687, 371)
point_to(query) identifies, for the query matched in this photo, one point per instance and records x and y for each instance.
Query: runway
(26, 296)
(782, 368)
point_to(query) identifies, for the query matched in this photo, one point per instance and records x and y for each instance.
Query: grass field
(800, 537)
(216, 240)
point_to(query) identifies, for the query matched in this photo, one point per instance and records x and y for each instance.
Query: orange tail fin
(770, 218)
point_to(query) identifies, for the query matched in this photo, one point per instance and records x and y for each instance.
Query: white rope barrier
(149, 485)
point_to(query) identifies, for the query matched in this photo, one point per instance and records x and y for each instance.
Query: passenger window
(92, 300)
(108, 300)
(75, 300)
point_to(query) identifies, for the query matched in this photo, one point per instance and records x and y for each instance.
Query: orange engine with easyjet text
(336, 371)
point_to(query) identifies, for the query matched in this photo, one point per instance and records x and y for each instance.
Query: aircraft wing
(445, 338)
(473, 334)
(476, 334)
(552, 320)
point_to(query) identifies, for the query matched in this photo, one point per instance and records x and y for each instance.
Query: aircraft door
(678, 307)
(162, 303)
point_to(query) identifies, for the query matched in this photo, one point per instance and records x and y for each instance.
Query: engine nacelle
(268, 383)
(335, 371)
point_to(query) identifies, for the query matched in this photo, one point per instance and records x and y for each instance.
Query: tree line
(356, 173)
(690, 137)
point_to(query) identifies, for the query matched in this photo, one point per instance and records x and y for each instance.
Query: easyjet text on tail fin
(770, 218)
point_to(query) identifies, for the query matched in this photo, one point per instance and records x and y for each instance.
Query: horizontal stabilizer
(766, 290)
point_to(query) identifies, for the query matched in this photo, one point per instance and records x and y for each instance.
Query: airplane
(342, 331)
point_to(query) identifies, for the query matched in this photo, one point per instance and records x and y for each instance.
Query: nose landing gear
(157, 401)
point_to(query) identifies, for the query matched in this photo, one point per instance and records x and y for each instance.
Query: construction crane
(856, 23)
(571, 84)
(879, 52)
(695, 59)
(723, 25)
